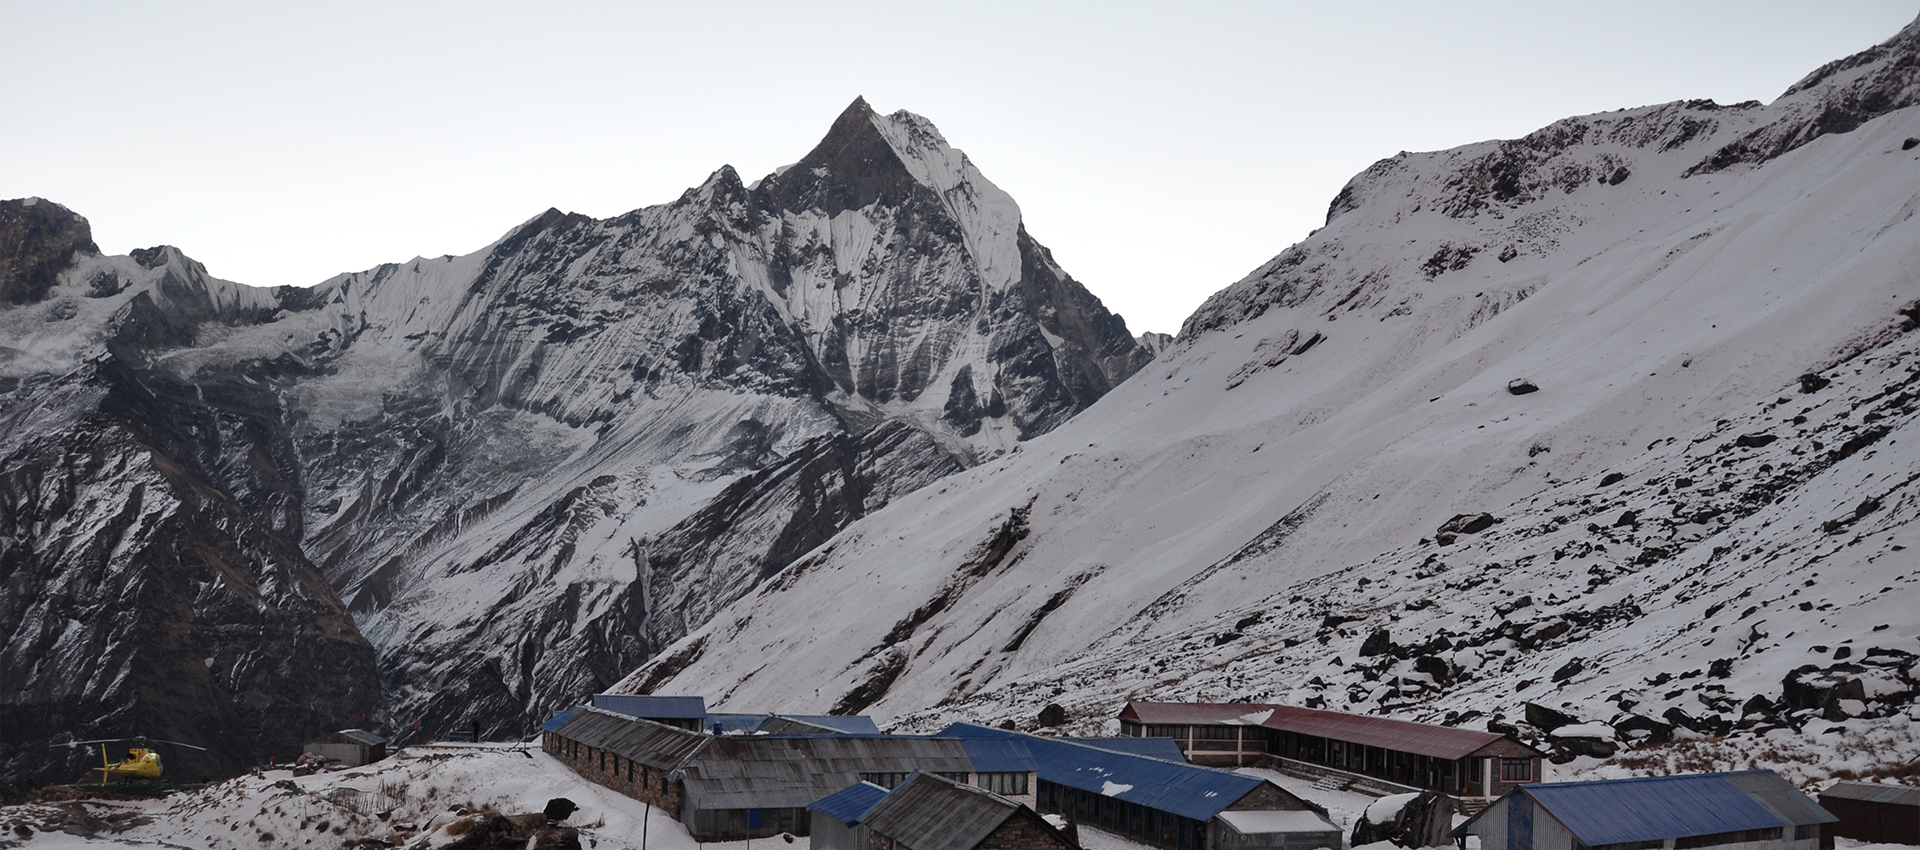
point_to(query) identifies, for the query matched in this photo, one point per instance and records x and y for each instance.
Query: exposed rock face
(154, 584)
(38, 240)
(527, 469)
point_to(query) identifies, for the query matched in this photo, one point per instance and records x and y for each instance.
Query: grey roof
(770, 772)
(933, 813)
(1780, 797)
(653, 707)
(362, 736)
(804, 724)
(653, 744)
(1874, 792)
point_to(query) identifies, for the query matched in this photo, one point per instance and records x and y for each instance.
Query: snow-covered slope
(1241, 517)
(527, 468)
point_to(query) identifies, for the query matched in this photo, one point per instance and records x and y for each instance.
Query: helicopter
(142, 763)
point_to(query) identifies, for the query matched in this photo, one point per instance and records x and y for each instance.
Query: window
(1007, 784)
(1215, 733)
(888, 781)
(1516, 770)
(1163, 731)
(960, 777)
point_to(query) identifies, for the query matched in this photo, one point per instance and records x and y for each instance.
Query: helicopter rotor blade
(71, 744)
(177, 744)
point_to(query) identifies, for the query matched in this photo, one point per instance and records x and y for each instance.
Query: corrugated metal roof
(1197, 713)
(932, 813)
(1873, 792)
(558, 719)
(1406, 736)
(1177, 787)
(1646, 808)
(1280, 821)
(1159, 748)
(999, 756)
(634, 705)
(851, 805)
(763, 771)
(653, 744)
(804, 723)
(362, 736)
(1780, 797)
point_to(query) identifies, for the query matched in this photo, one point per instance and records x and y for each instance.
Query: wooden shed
(1875, 813)
(929, 812)
(1753, 809)
(352, 747)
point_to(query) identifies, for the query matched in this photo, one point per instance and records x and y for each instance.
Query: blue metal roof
(991, 755)
(650, 707)
(1177, 787)
(559, 719)
(850, 805)
(1648, 808)
(1159, 748)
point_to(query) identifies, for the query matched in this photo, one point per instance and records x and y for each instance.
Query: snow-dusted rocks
(526, 469)
(1683, 516)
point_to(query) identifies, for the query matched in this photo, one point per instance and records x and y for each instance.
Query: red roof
(1405, 736)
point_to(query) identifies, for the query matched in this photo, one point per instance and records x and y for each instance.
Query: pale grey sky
(1161, 150)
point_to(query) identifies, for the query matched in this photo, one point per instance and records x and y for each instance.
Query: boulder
(1594, 740)
(1468, 523)
(560, 808)
(1053, 715)
(1407, 820)
(1641, 729)
(1547, 719)
(1521, 386)
(1377, 643)
(1822, 688)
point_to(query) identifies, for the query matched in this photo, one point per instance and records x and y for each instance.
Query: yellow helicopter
(142, 763)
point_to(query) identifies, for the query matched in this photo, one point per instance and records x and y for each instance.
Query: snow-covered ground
(402, 799)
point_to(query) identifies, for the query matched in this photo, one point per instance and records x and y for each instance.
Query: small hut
(351, 747)
(930, 812)
(1875, 813)
(837, 817)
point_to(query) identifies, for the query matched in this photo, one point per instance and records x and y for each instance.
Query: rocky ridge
(526, 469)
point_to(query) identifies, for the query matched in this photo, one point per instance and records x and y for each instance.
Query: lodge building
(1457, 762)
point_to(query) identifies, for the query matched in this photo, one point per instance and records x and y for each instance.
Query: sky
(1161, 150)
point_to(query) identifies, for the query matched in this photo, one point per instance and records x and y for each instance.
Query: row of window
(1204, 733)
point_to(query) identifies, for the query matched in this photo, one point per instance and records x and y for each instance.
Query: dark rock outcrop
(38, 241)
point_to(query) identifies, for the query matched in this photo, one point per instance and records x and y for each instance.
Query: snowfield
(404, 799)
